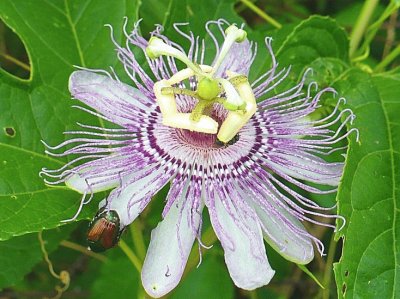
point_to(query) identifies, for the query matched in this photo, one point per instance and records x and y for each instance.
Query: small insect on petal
(104, 230)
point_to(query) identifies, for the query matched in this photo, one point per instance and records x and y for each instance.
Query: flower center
(200, 139)
(233, 91)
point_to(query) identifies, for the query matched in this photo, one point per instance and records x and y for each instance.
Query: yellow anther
(166, 102)
(235, 120)
(183, 121)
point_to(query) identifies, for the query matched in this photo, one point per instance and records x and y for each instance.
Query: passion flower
(219, 140)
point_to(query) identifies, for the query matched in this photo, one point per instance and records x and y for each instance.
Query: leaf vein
(81, 12)
(39, 36)
(31, 153)
(74, 33)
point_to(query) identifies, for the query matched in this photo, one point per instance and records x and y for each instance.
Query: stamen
(237, 119)
(158, 47)
(239, 95)
(233, 34)
(171, 116)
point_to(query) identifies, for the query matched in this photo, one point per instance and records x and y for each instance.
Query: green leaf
(195, 13)
(26, 204)
(151, 16)
(315, 38)
(262, 62)
(116, 279)
(311, 275)
(327, 70)
(318, 42)
(369, 195)
(57, 35)
(20, 254)
(209, 280)
(198, 13)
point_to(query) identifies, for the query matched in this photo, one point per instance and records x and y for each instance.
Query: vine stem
(131, 255)
(136, 230)
(84, 250)
(63, 276)
(373, 29)
(328, 269)
(388, 59)
(361, 25)
(208, 238)
(390, 33)
(137, 260)
(262, 14)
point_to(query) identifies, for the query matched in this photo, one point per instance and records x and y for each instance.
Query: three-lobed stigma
(231, 90)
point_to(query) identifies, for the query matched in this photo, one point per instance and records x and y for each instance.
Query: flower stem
(136, 230)
(370, 33)
(208, 238)
(261, 13)
(82, 249)
(328, 269)
(131, 255)
(361, 25)
(252, 294)
(388, 59)
(311, 275)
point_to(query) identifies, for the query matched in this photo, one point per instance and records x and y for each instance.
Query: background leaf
(209, 280)
(302, 45)
(315, 38)
(20, 254)
(369, 196)
(57, 36)
(117, 278)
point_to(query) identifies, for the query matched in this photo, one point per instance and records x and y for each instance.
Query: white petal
(97, 175)
(169, 249)
(135, 192)
(291, 245)
(106, 95)
(79, 183)
(244, 251)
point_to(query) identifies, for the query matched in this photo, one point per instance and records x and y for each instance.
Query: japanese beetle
(104, 230)
(219, 143)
